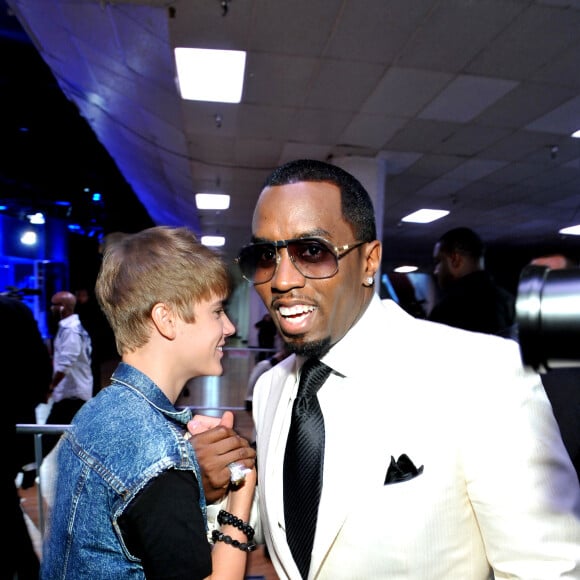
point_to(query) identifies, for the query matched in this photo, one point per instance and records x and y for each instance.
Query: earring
(369, 281)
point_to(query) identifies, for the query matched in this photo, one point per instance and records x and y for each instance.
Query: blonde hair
(159, 264)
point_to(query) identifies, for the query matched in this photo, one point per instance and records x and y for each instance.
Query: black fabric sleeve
(164, 527)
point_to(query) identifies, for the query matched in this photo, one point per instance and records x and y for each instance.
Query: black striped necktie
(303, 464)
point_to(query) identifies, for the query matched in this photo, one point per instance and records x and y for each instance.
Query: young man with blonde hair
(130, 500)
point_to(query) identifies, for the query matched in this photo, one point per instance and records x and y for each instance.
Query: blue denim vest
(118, 442)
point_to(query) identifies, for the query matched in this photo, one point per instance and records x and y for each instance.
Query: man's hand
(216, 445)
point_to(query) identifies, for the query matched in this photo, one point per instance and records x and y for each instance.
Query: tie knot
(312, 377)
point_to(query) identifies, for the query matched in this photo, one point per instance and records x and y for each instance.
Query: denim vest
(118, 442)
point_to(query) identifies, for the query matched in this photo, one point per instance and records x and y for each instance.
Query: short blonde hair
(159, 264)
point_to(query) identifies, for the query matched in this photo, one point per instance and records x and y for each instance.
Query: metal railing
(38, 431)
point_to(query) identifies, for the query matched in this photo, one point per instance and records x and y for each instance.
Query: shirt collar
(134, 379)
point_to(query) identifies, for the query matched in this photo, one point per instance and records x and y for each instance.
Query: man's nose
(286, 274)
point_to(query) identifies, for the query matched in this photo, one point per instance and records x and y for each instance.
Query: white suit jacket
(497, 491)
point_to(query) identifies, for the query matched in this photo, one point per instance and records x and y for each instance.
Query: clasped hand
(217, 445)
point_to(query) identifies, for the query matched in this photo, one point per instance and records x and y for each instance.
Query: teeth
(295, 310)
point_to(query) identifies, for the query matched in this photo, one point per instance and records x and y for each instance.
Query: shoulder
(431, 339)
(121, 414)
(117, 427)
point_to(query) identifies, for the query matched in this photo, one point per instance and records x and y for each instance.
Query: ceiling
(469, 103)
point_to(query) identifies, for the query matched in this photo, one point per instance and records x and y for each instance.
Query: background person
(441, 456)
(266, 336)
(104, 357)
(26, 370)
(259, 369)
(72, 379)
(470, 299)
(129, 501)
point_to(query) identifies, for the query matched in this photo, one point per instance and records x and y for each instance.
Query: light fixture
(28, 238)
(210, 75)
(576, 134)
(36, 218)
(405, 269)
(425, 216)
(570, 231)
(212, 200)
(213, 241)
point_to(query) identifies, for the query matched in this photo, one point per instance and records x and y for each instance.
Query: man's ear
(373, 258)
(163, 318)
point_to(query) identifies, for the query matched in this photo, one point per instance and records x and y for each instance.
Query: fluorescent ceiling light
(571, 231)
(425, 216)
(406, 269)
(210, 75)
(576, 134)
(212, 200)
(213, 241)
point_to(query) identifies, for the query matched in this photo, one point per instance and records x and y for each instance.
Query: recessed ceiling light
(425, 216)
(210, 75)
(212, 200)
(213, 241)
(570, 231)
(406, 269)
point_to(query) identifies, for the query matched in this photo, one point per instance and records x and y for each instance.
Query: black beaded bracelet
(218, 536)
(226, 518)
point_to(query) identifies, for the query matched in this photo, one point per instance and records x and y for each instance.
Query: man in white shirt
(72, 379)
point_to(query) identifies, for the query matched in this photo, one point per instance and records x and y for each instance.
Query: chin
(310, 349)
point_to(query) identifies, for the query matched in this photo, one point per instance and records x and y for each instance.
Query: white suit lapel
(351, 464)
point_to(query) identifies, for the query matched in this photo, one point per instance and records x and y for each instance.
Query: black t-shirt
(164, 527)
(474, 302)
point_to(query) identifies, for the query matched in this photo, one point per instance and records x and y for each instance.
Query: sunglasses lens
(257, 262)
(313, 258)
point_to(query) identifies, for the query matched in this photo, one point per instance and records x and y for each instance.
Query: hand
(201, 423)
(216, 445)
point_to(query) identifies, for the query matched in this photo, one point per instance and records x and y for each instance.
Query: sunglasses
(314, 258)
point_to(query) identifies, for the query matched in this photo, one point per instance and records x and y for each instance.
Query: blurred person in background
(104, 356)
(266, 336)
(72, 380)
(259, 369)
(470, 298)
(26, 370)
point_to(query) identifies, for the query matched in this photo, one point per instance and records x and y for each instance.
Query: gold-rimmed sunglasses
(314, 258)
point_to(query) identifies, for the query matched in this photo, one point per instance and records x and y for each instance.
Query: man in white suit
(442, 458)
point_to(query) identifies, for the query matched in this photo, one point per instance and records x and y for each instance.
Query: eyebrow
(316, 233)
